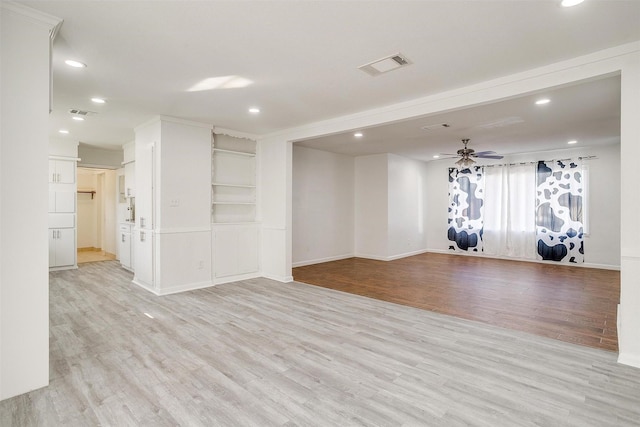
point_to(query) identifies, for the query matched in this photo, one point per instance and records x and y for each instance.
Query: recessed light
(573, 141)
(79, 119)
(569, 3)
(358, 134)
(63, 131)
(75, 64)
(436, 157)
(98, 100)
(543, 101)
(254, 110)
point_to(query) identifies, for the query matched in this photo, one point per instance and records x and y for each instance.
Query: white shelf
(220, 184)
(240, 153)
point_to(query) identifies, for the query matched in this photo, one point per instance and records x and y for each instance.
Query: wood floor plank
(263, 353)
(568, 303)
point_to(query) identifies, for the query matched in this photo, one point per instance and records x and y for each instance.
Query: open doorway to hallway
(96, 214)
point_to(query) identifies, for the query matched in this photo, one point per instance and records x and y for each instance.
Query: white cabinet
(62, 247)
(143, 255)
(235, 250)
(233, 180)
(130, 179)
(62, 212)
(62, 201)
(124, 246)
(62, 171)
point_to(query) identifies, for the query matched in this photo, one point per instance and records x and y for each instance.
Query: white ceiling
(303, 59)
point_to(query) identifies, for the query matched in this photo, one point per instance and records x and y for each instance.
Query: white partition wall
(24, 292)
(172, 232)
(625, 60)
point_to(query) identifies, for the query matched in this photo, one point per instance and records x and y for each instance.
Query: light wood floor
(93, 255)
(572, 304)
(263, 353)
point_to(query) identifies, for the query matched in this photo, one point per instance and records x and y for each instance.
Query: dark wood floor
(567, 303)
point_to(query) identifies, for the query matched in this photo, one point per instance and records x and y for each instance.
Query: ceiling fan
(468, 154)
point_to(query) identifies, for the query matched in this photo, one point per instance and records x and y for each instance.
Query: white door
(62, 247)
(143, 257)
(65, 201)
(65, 171)
(125, 249)
(65, 247)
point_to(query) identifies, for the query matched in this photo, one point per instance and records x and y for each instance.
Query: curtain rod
(536, 162)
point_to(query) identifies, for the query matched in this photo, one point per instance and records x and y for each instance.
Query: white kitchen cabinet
(62, 247)
(130, 179)
(143, 256)
(62, 213)
(62, 171)
(124, 247)
(62, 201)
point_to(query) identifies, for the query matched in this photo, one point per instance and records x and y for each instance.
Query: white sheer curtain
(509, 211)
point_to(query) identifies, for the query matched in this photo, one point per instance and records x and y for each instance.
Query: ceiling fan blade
(489, 156)
(482, 153)
(449, 154)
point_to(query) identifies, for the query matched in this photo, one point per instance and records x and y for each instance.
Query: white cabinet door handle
(58, 234)
(123, 238)
(142, 236)
(53, 233)
(142, 221)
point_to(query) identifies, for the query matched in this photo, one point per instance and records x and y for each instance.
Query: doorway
(96, 214)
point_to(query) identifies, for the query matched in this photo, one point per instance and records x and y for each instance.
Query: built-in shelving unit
(233, 180)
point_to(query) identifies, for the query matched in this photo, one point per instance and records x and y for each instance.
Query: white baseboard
(321, 260)
(283, 279)
(629, 359)
(184, 288)
(539, 261)
(392, 257)
(235, 278)
(144, 286)
(406, 254)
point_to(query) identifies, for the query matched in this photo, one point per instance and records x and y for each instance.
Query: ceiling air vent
(385, 65)
(81, 113)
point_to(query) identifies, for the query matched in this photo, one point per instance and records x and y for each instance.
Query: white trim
(629, 359)
(34, 15)
(538, 261)
(143, 286)
(234, 133)
(182, 230)
(77, 159)
(405, 255)
(160, 119)
(583, 67)
(283, 279)
(630, 252)
(235, 278)
(184, 288)
(368, 256)
(321, 260)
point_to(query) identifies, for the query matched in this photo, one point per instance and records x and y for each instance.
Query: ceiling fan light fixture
(465, 162)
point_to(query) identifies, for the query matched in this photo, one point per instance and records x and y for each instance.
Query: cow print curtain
(466, 199)
(559, 226)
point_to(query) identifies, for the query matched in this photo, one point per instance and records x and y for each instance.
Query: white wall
(602, 246)
(99, 157)
(87, 211)
(109, 203)
(407, 187)
(323, 206)
(371, 213)
(275, 161)
(24, 284)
